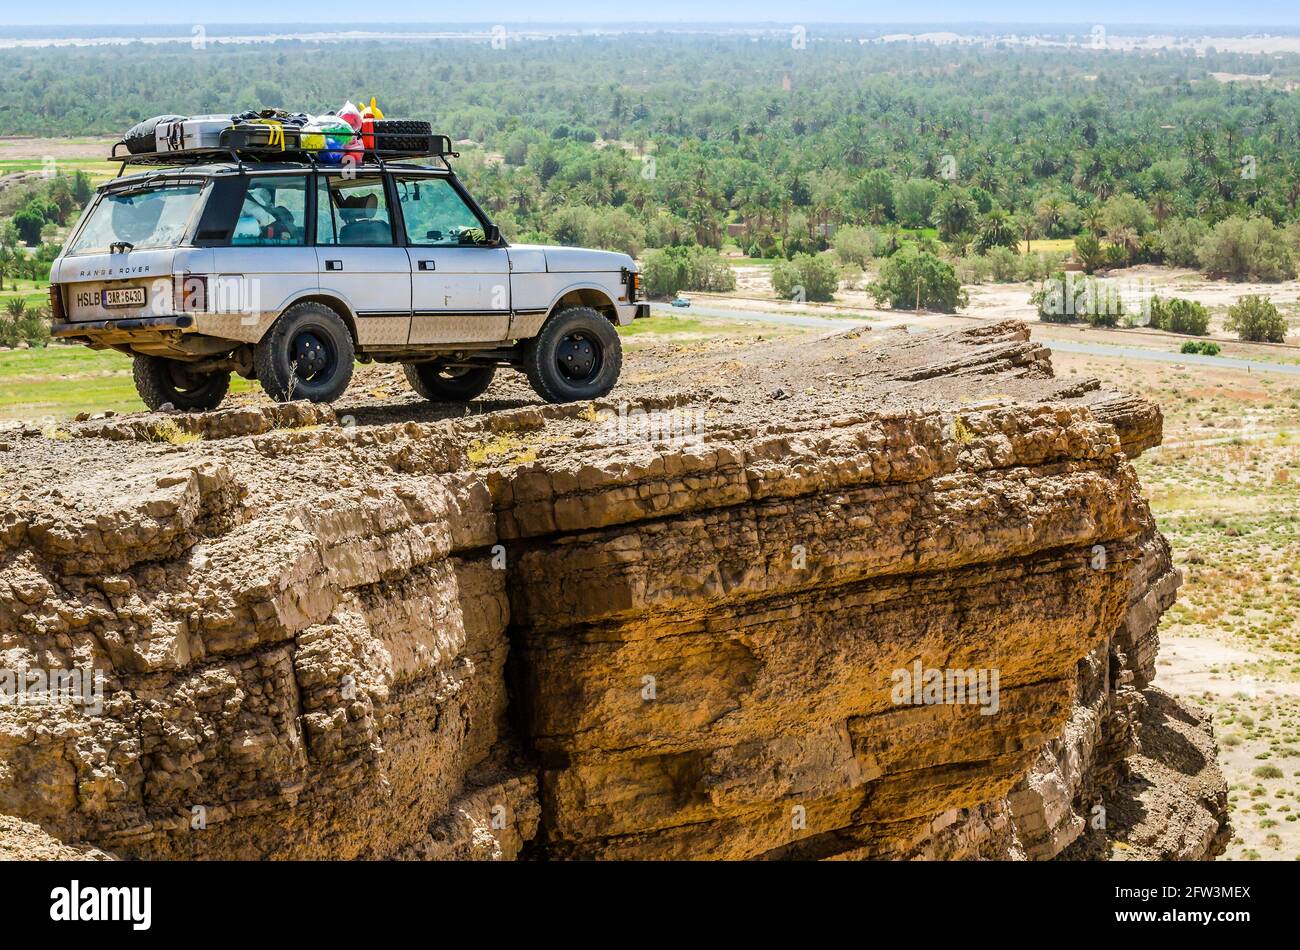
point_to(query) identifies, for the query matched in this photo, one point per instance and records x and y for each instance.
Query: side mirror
(491, 235)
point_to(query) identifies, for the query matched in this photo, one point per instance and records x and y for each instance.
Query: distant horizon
(152, 27)
(1176, 14)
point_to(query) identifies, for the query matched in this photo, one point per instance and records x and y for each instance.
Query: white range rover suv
(289, 271)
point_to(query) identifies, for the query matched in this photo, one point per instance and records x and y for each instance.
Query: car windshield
(154, 216)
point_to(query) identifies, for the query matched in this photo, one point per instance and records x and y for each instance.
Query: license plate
(124, 297)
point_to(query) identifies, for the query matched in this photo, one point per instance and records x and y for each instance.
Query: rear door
(358, 257)
(460, 288)
(257, 229)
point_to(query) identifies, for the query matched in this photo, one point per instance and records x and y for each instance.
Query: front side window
(139, 218)
(435, 215)
(352, 211)
(274, 212)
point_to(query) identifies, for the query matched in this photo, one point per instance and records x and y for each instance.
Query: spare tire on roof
(403, 135)
(140, 137)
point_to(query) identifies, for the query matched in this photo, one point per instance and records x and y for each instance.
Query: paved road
(1065, 346)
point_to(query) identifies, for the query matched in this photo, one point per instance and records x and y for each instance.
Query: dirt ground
(1222, 488)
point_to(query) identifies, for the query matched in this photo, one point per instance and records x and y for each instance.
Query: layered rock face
(533, 633)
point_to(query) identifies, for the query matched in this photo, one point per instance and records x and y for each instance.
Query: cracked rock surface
(547, 632)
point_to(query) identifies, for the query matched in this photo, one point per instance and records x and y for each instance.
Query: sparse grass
(961, 431)
(1224, 491)
(168, 431)
(59, 381)
(505, 448)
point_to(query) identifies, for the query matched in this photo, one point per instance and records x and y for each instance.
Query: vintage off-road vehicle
(288, 270)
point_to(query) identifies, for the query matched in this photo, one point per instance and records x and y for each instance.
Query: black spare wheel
(576, 356)
(307, 354)
(161, 381)
(403, 135)
(438, 382)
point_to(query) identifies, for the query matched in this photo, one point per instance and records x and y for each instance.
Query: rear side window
(156, 216)
(274, 212)
(352, 211)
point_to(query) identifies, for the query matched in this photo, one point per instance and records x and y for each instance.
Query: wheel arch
(334, 302)
(585, 295)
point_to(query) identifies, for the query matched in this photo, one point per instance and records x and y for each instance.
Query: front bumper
(642, 311)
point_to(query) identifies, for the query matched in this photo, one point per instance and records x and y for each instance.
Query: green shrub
(1242, 248)
(1255, 319)
(19, 324)
(1088, 251)
(1204, 348)
(1180, 239)
(856, 245)
(806, 277)
(1004, 263)
(914, 278)
(1066, 298)
(666, 271)
(1179, 315)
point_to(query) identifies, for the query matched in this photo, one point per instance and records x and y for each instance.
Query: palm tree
(1051, 214)
(1027, 225)
(953, 214)
(996, 229)
(1126, 238)
(1094, 220)
(1162, 206)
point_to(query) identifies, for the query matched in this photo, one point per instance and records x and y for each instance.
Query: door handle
(428, 265)
(333, 265)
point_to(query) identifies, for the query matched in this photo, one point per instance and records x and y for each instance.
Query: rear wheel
(161, 381)
(576, 356)
(307, 354)
(439, 383)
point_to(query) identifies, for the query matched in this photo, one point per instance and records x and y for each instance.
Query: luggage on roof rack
(352, 136)
(249, 146)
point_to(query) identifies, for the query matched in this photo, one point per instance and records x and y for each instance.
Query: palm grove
(931, 165)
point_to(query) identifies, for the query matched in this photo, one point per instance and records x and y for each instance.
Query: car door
(460, 287)
(358, 257)
(261, 258)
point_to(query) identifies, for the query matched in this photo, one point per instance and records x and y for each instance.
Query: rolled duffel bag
(198, 131)
(403, 135)
(140, 138)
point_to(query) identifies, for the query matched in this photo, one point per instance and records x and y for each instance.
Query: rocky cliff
(701, 625)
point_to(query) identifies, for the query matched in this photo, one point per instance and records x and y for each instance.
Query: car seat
(363, 227)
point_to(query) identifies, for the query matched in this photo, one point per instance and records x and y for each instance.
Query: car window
(352, 211)
(435, 215)
(274, 211)
(141, 217)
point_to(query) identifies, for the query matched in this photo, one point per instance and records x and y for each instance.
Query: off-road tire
(403, 135)
(160, 381)
(316, 338)
(587, 335)
(428, 381)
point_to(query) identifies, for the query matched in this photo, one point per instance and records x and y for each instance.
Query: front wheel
(438, 383)
(576, 356)
(161, 382)
(307, 354)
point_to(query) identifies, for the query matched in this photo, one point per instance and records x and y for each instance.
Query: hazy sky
(1179, 12)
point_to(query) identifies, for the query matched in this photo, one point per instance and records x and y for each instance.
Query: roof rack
(439, 146)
